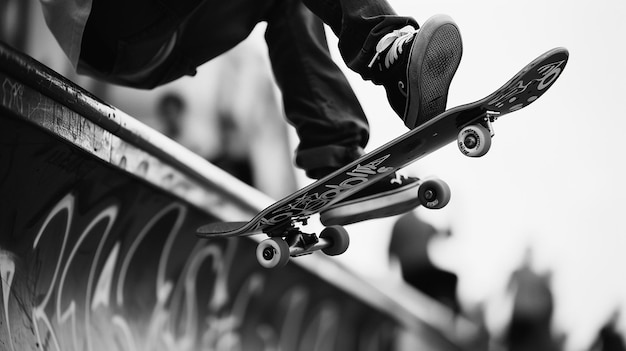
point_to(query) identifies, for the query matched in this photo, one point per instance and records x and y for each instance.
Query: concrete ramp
(97, 247)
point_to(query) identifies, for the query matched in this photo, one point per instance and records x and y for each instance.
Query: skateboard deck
(470, 125)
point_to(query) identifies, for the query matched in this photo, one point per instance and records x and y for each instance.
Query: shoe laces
(393, 41)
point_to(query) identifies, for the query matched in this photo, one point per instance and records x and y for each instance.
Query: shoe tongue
(393, 77)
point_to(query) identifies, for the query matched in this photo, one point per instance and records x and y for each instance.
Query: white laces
(396, 41)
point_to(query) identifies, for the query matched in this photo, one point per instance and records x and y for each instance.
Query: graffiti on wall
(98, 248)
(82, 286)
(94, 258)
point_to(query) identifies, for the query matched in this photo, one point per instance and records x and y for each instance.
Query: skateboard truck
(475, 140)
(288, 240)
(300, 243)
(490, 117)
(276, 251)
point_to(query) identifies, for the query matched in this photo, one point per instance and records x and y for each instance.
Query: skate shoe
(416, 67)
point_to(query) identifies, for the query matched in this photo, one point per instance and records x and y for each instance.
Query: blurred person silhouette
(14, 23)
(147, 43)
(234, 156)
(170, 109)
(609, 337)
(409, 246)
(530, 327)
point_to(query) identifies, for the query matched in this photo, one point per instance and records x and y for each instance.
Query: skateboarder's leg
(318, 99)
(147, 43)
(361, 26)
(321, 105)
(122, 38)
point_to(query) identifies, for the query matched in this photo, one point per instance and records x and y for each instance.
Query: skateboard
(469, 125)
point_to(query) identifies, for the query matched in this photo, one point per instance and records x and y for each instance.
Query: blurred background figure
(229, 113)
(249, 120)
(409, 249)
(609, 338)
(170, 112)
(14, 24)
(530, 326)
(234, 153)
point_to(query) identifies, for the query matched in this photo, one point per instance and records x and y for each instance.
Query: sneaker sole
(435, 57)
(382, 205)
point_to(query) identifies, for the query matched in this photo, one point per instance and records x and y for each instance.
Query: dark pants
(121, 37)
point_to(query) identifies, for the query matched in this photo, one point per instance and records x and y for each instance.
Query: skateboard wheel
(339, 238)
(272, 253)
(434, 194)
(474, 140)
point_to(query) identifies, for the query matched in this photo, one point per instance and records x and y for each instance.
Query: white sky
(554, 178)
